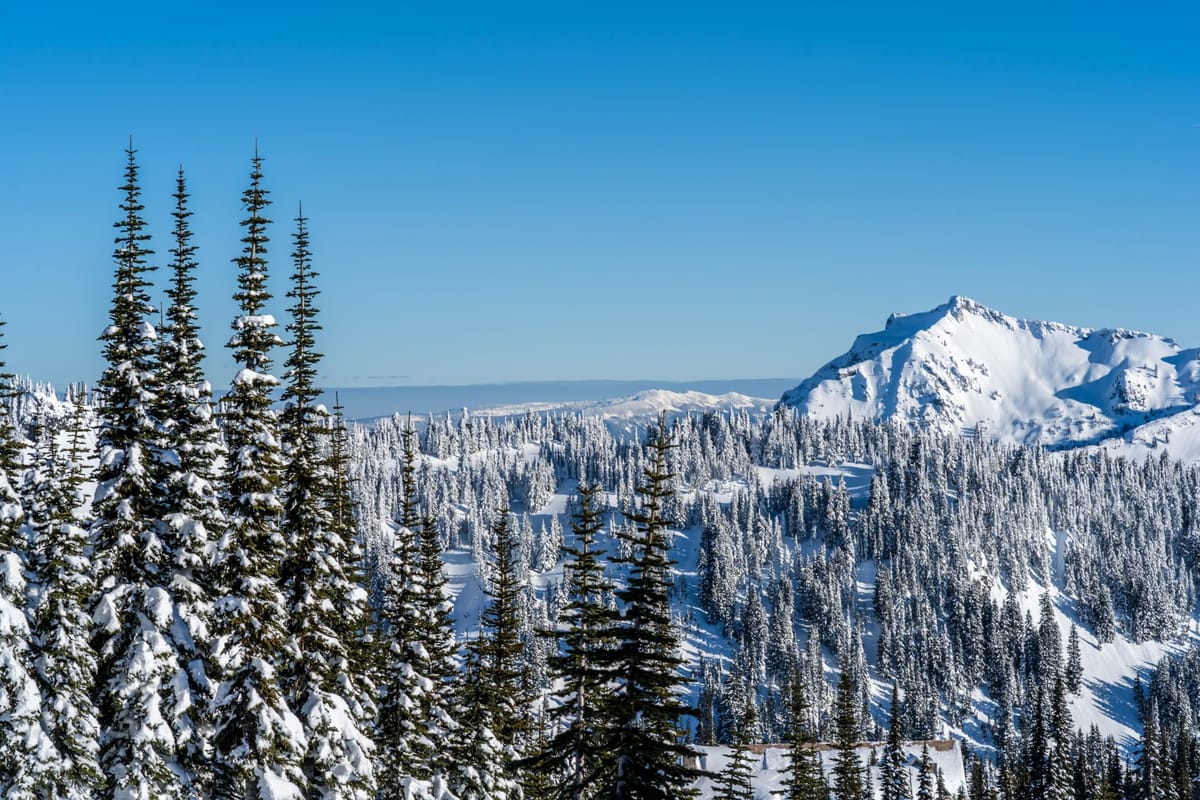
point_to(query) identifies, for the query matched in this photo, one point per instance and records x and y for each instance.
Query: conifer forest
(214, 586)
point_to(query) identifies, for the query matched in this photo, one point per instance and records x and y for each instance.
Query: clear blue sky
(610, 190)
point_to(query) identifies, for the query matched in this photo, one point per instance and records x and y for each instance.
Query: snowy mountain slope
(963, 364)
(1110, 668)
(1177, 435)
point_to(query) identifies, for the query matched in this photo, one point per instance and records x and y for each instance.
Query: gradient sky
(609, 190)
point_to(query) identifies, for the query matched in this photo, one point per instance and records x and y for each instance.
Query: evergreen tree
(581, 670)
(645, 715)
(925, 776)
(437, 651)
(322, 688)
(66, 665)
(483, 770)
(1074, 669)
(363, 645)
(1059, 768)
(893, 769)
(847, 766)
(734, 782)
(803, 778)
(1151, 772)
(500, 642)
(258, 741)
(1037, 748)
(191, 513)
(494, 705)
(132, 610)
(29, 754)
(406, 751)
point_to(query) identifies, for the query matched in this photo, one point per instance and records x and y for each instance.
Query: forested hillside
(235, 594)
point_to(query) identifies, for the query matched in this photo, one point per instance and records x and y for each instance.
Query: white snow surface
(1176, 436)
(964, 365)
(767, 766)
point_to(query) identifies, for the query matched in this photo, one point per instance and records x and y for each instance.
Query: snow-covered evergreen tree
(582, 672)
(494, 708)
(1073, 671)
(258, 742)
(190, 505)
(847, 766)
(925, 775)
(66, 665)
(482, 768)
(893, 771)
(645, 715)
(802, 776)
(405, 749)
(323, 604)
(436, 661)
(132, 610)
(29, 755)
(734, 782)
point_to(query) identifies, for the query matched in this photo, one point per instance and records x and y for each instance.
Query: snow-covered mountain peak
(963, 365)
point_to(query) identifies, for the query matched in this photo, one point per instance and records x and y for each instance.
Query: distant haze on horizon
(551, 193)
(366, 403)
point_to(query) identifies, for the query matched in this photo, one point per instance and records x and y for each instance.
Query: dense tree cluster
(786, 545)
(209, 623)
(199, 626)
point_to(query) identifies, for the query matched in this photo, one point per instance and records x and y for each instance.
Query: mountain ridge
(963, 365)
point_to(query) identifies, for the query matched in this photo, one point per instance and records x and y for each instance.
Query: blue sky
(617, 190)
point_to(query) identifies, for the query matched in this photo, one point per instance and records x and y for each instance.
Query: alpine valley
(970, 546)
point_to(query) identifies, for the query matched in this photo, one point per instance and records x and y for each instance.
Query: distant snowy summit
(963, 366)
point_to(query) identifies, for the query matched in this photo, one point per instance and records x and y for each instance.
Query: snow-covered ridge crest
(963, 365)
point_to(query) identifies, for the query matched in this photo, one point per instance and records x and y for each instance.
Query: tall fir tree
(438, 711)
(258, 742)
(363, 644)
(1059, 767)
(501, 648)
(1151, 772)
(406, 750)
(494, 706)
(321, 600)
(482, 762)
(893, 771)
(645, 717)
(926, 789)
(735, 781)
(847, 766)
(581, 671)
(191, 512)
(132, 609)
(803, 778)
(432, 651)
(66, 665)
